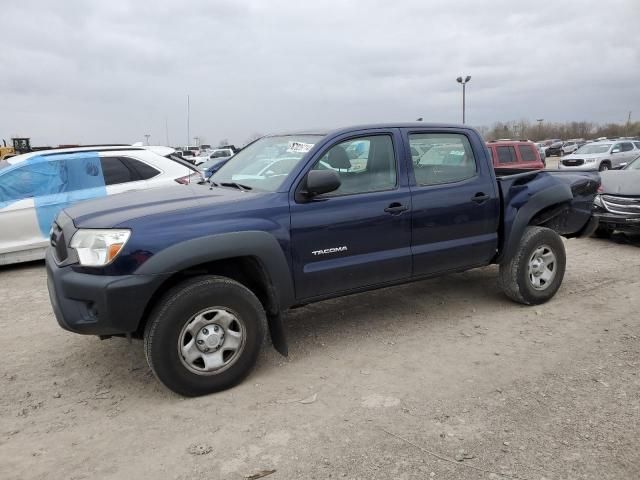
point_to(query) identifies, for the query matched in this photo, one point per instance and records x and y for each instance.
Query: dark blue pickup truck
(203, 272)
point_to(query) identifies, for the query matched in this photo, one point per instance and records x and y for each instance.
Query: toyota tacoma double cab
(204, 274)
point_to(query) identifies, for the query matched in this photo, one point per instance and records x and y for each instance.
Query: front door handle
(396, 208)
(480, 197)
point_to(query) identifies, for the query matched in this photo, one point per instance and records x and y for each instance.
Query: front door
(360, 234)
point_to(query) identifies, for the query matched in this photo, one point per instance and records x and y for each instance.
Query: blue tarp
(54, 182)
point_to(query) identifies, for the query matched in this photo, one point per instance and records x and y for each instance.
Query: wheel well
(553, 217)
(248, 271)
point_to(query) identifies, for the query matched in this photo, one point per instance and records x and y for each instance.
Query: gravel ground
(442, 379)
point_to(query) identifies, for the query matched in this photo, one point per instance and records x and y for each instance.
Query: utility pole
(166, 130)
(147, 136)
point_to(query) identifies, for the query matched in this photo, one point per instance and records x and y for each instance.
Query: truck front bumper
(98, 304)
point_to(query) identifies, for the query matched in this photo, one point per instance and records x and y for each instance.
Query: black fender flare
(260, 245)
(548, 197)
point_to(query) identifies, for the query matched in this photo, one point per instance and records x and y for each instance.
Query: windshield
(587, 149)
(265, 164)
(635, 165)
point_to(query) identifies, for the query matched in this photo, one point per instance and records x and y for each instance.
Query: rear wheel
(534, 273)
(204, 335)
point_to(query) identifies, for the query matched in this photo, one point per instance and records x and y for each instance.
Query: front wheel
(534, 273)
(204, 335)
(604, 166)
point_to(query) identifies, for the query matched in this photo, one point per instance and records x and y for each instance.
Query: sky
(81, 71)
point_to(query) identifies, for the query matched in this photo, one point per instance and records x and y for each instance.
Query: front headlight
(97, 248)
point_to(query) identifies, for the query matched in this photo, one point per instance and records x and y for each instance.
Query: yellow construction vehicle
(20, 145)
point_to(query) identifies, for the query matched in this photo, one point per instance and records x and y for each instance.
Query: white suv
(605, 155)
(35, 186)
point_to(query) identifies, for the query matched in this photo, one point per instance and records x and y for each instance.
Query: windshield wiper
(239, 186)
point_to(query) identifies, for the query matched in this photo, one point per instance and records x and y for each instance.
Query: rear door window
(627, 147)
(115, 171)
(526, 153)
(447, 158)
(143, 170)
(506, 154)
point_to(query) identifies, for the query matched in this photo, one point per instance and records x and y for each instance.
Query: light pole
(540, 120)
(464, 84)
(147, 136)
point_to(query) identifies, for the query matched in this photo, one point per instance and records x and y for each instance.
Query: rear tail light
(194, 177)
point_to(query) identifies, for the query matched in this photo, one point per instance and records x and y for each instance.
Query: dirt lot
(391, 384)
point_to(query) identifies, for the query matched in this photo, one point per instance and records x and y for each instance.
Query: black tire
(514, 275)
(177, 308)
(603, 231)
(604, 166)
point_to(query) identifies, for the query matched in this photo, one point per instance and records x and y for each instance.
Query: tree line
(537, 131)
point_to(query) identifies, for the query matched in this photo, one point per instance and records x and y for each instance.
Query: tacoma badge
(330, 250)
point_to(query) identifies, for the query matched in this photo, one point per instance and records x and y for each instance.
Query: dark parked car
(202, 273)
(555, 149)
(617, 207)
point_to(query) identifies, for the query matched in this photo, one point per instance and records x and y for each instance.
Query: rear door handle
(480, 197)
(396, 208)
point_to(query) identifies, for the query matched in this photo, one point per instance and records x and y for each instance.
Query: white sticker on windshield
(299, 147)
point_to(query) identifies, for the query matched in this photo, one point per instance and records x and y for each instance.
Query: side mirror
(623, 164)
(321, 181)
(615, 150)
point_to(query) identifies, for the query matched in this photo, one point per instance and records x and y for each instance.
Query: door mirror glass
(322, 181)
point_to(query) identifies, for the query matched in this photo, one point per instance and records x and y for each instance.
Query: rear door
(455, 202)
(628, 153)
(360, 234)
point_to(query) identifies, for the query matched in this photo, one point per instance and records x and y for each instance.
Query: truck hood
(621, 182)
(115, 210)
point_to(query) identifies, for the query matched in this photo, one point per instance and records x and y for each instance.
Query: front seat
(338, 158)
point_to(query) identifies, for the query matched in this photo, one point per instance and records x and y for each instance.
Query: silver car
(601, 156)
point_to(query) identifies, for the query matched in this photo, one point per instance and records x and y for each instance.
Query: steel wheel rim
(542, 267)
(211, 341)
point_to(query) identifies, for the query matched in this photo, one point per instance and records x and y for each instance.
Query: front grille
(573, 162)
(621, 205)
(58, 242)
